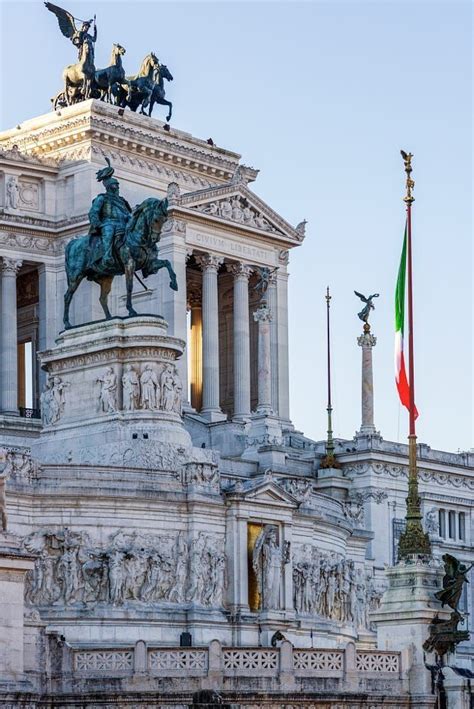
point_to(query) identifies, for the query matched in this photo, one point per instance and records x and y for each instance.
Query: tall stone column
(49, 300)
(272, 299)
(195, 373)
(8, 331)
(210, 337)
(367, 341)
(174, 303)
(263, 317)
(282, 344)
(241, 273)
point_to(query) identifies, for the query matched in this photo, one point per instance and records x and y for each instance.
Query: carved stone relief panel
(131, 567)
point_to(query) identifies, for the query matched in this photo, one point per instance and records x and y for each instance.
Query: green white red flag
(401, 378)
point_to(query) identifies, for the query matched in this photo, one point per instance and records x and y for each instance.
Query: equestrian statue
(83, 81)
(120, 241)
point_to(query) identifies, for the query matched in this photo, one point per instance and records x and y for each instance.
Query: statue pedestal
(112, 387)
(332, 482)
(403, 619)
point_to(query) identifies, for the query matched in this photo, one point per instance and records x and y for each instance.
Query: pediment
(234, 203)
(266, 492)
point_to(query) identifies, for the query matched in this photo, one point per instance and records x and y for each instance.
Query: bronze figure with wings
(67, 25)
(365, 312)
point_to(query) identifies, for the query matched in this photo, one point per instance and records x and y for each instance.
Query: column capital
(239, 269)
(367, 340)
(263, 314)
(10, 265)
(209, 262)
(174, 225)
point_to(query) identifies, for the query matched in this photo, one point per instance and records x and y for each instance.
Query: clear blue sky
(320, 96)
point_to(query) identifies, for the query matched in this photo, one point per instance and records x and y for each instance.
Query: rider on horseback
(108, 217)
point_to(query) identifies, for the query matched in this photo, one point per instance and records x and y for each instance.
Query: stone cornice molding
(389, 470)
(10, 266)
(47, 225)
(17, 158)
(100, 123)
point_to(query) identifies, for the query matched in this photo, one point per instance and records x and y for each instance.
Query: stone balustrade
(238, 662)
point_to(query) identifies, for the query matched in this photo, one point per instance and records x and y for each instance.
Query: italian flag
(400, 369)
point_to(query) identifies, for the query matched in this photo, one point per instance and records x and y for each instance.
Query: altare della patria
(167, 537)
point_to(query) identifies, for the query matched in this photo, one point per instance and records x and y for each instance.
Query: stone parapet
(229, 670)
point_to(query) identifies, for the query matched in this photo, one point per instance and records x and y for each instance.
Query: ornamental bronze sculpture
(120, 241)
(365, 312)
(82, 81)
(444, 634)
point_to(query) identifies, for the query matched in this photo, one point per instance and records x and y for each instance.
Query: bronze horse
(136, 249)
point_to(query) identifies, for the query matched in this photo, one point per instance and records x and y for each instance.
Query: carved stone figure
(130, 388)
(13, 193)
(178, 395)
(52, 400)
(116, 576)
(176, 593)
(248, 216)
(267, 562)
(196, 569)
(68, 573)
(167, 386)
(226, 209)
(108, 391)
(150, 388)
(237, 213)
(261, 222)
(432, 522)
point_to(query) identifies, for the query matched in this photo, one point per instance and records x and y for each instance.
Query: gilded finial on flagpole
(410, 184)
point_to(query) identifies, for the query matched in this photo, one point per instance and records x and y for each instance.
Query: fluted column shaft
(367, 341)
(273, 305)
(263, 316)
(196, 353)
(241, 274)
(9, 337)
(210, 334)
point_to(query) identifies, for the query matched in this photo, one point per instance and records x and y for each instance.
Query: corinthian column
(210, 336)
(8, 332)
(241, 274)
(263, 316)
(367, 341)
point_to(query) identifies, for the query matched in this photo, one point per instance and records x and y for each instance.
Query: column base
(213, 415)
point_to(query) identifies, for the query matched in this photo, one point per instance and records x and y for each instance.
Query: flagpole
(413, 541)
(329, 460)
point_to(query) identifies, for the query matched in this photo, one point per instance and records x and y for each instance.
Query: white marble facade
(165, 493)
